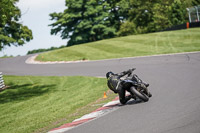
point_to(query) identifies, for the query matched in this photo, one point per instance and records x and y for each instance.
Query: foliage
(43, 50)
(195, 2)
(178, 13)
(119, 12)
(141, 13)
(83, 21)
(151, 16)
(12, 32)
(127, 28)
(86, 21)
(160, 17)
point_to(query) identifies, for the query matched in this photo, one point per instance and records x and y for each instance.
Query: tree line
(90, 20)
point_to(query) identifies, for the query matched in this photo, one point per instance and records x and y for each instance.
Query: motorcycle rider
(114, 83)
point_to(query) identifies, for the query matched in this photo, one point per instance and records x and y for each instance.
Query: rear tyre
(142, 96)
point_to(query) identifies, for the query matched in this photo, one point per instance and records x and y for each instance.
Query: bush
(44, 50)
(127, 28)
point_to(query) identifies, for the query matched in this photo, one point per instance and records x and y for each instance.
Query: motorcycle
(136, 87)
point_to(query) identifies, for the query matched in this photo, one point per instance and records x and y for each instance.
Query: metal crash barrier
(2, 85)
(194, 14)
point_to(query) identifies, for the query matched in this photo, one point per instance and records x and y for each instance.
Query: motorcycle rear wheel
(142, 96)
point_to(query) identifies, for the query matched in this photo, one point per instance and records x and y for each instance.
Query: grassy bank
(130, 46)
(38, 104)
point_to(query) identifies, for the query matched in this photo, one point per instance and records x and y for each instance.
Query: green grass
(5, 56)
(38, 104)
(129, 46)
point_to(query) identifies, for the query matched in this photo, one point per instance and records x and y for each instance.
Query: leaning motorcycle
(136, 86)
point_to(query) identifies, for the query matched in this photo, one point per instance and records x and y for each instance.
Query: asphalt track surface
(174, 82)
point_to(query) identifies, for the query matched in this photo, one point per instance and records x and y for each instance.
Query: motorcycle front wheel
(142, 96)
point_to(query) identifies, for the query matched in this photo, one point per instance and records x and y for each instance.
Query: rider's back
(113, 82)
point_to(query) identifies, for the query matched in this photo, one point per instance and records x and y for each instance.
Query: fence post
(189, 14)
(188, 25)
(197, 13)
(2, 85)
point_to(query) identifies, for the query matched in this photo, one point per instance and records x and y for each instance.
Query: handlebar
(133, 69)
(129, 72)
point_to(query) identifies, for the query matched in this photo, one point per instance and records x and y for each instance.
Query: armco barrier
(2, 85)
(184, 26)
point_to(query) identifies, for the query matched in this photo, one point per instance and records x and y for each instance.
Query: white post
(197, 13)
(189, 14)
(1, 81)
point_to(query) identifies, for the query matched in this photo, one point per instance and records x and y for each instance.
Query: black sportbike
(136, 86)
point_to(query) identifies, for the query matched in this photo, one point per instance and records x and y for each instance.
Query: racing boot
(128, 97)
(150, 95)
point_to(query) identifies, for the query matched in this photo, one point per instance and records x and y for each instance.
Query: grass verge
(38, 104)
(129, 46)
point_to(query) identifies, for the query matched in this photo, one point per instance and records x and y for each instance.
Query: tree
(160, 16)
(195, 2)
(178, 12)
(83, 21)
(119, 12)
(157, 15)
(141, 14)
(127, 28)
(12, 32)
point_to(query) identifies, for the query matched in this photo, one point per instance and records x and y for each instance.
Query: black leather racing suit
(115, 85)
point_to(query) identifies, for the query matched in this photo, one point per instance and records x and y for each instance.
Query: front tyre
(150, 95)
(142, 96)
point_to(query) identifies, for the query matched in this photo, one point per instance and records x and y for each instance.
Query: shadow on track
(132, 102)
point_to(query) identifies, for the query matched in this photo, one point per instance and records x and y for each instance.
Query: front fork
(142, 88)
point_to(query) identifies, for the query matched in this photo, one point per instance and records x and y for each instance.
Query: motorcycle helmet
(108, 74)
